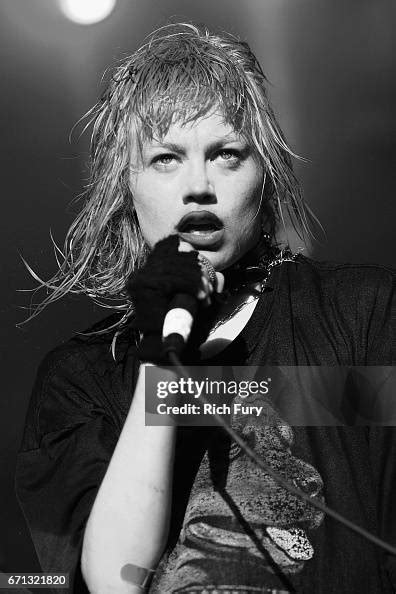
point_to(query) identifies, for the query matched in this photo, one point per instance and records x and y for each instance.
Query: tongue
(294, 542)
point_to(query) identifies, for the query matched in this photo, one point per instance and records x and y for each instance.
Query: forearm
(130, 517)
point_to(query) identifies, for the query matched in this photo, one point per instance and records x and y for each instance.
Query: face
(203, 182)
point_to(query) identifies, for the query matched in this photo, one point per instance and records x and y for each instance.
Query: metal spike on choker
(256, 266)
(249, 270)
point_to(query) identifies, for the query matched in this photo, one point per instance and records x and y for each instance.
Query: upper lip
(198, 218)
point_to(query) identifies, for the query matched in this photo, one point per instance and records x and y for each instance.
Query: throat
(229, 322)
(234, 304)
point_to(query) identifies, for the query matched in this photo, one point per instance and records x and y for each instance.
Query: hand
(210, 285)
(172, 267)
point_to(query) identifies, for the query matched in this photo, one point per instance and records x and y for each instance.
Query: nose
(199, 186)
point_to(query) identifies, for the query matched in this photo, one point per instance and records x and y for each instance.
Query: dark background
(332, 69)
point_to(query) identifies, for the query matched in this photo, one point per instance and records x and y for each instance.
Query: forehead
(210, 128)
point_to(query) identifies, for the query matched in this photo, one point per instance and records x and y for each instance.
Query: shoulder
(350, 304)
(344, 280)
(81, 378)
(96, 348)
(357, 272)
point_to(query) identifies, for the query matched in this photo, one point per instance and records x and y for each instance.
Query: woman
(190, 166)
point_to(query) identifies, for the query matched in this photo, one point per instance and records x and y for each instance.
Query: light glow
(87, 12)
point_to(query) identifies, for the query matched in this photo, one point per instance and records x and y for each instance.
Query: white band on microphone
(178, 320)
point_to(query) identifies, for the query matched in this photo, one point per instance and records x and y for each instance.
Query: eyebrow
(179, 149)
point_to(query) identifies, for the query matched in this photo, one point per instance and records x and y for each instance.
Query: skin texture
(208, 167)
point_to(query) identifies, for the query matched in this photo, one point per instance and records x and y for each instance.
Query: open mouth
(201, 228)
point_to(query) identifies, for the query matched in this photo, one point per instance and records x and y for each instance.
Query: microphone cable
(181, 370)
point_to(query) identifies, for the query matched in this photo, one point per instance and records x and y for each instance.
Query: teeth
(201, 231)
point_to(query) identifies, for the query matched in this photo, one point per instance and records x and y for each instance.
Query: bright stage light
(87, 12)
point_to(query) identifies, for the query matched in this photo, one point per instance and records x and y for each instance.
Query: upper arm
(69, 439)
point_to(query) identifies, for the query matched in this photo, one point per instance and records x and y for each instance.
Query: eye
(164, 160)
(227, 154)
(229, 157)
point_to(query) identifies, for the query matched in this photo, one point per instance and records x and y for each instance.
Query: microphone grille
(207, 267)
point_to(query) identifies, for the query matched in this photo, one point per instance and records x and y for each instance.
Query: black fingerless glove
(152, 288)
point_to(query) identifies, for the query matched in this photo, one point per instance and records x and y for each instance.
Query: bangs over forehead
(184, 73)
(181, 77)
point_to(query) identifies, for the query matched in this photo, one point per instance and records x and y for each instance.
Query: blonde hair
(178, 75)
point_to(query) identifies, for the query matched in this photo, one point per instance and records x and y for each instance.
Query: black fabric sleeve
(383, 456)
(382, 330)
(381, 318)
(69, 439)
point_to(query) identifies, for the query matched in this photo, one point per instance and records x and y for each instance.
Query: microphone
(182, 309)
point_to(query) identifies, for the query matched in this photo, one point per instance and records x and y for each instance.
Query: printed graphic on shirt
(242, 530)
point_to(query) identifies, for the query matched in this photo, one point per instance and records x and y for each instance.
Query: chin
(219, 261)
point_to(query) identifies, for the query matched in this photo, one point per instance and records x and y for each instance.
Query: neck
(230, 319)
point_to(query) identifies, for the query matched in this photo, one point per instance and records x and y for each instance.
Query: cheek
(151, 221)
(155, 218)
(245, 218)
(247, 198)
(145, 205)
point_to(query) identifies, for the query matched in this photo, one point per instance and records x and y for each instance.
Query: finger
(185, 247)
(204, 297)
(207, 284)
(208, 287)
(220, 282)
(205, 290)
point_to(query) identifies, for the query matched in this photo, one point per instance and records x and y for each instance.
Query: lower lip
(204, 239)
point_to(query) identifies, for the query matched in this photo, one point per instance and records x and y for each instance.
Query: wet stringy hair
(182, 72)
